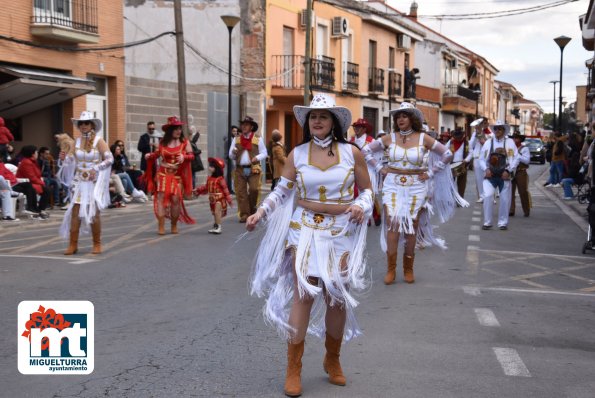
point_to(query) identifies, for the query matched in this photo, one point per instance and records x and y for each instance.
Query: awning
(24, 90)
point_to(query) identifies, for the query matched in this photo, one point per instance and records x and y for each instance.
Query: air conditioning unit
(304, 20)
(340, 27)
(404, 42)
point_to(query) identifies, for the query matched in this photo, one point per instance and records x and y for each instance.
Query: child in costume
(219, 196)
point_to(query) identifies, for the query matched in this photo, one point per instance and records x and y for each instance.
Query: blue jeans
(567, 184)
(556, 171)
(126, 182)
(54, 186)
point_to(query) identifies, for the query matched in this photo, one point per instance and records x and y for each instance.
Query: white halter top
(333, 185)
(406, 158)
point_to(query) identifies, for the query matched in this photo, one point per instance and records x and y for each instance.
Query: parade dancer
(247, 150)
(310, 263)
(87, 173)
(174, 176)
(478, 138)
(216, 188)
(521, 178)
(406, 188)
(498, 162)
(461, 156)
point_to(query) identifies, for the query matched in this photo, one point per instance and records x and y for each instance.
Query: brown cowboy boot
(75, 224)
(161, 223)
(174, 225)
(408, 268)
(331, 363)
(96, 231)
(391, 272)
(293, 377)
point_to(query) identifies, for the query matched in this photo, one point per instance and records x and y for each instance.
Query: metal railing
(395, 81)
(323, 73)
(375, 80)
(288, 71)
(350, 76)
(78, 15)
(456, 90)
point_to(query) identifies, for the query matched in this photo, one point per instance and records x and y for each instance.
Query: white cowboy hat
(324, 101)
(88, 116)
(476, 122)
(408, 108)
(500, 123)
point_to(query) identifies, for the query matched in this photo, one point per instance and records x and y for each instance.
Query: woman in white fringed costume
(310, 261)
(87, 173)
(414, 187)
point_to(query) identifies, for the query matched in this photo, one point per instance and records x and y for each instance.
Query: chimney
(413, 11)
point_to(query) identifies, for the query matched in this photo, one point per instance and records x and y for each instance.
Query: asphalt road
(499, 314)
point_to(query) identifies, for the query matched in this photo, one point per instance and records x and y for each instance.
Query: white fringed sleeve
(278, 208)
(368, 151)
(444, 195)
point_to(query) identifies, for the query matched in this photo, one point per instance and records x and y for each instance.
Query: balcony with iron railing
(395, 81)
(460, 99)
(66, 20)
(375, 80)
(350, 76)
(288, 72)
(323, 73)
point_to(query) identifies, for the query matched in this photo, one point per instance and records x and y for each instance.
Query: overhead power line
(498, 14)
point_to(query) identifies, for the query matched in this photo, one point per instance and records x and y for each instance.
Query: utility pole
(182, 99)
(308, 55)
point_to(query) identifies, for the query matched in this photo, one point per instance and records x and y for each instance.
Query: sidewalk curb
(571, 211)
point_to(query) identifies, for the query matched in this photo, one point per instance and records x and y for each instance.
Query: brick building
(49, 71)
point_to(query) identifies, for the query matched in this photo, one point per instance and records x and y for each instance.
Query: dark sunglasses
(83, 122)
(152, 129)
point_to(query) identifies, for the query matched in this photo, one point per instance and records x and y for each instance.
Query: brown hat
(250, 120)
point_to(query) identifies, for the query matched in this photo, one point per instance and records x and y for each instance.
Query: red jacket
(28, 168)
(5, 134)
(7, 174)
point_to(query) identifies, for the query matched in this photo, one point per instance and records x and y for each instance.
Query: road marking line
(472, 259)
(68, 260)
(564, 256)
(474, 238)
(474, 227)
(477, 212)
(472, 290)
(557, 292)
(476, 219)
(486, 317)
(511, 362)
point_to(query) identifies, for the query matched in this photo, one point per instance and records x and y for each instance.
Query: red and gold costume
(216, 187)
(172, 179)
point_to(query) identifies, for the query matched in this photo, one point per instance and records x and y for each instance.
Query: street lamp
(230, 21)
(554, 82)
(561, 41)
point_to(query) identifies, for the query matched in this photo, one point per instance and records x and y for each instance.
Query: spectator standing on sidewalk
(521, 178)
(559, 158)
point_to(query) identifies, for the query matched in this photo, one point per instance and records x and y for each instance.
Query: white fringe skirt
(326, 247)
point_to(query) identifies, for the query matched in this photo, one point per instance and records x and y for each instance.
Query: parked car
(537, 149)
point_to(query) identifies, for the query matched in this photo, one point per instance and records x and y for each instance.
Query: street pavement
(499, 314)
